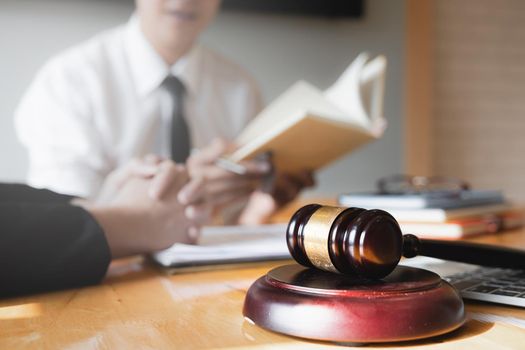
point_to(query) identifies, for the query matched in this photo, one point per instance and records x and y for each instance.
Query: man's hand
(145, 168)
(287, 187)
(284, 189)
(135, 220)
(212, 188)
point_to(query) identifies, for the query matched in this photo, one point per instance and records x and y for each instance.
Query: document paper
(229, 244)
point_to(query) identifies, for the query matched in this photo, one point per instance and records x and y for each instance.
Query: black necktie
(180, 135)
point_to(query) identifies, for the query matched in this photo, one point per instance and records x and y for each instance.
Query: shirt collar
(149, 69)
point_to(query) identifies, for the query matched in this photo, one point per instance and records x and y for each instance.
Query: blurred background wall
(278, 50)
(479, 93)
(465, 96)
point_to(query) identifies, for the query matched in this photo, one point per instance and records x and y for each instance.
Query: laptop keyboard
(494, 285)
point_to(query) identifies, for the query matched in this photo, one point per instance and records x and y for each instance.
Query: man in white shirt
(103, 102)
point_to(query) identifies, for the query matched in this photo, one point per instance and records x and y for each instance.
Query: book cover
(456, 229)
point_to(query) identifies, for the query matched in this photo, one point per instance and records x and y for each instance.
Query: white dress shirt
(100, 103)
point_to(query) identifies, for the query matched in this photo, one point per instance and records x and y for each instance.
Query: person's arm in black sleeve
(23, 193)
(49, 241)
(49, 246)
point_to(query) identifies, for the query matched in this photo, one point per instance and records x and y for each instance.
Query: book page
(359, 92)
(299, 98)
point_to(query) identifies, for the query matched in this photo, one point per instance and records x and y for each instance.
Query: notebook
(228, 245)
(445, 200)
(437, 215)
(461, 228)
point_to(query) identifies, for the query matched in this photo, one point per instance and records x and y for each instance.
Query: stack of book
(443, 215)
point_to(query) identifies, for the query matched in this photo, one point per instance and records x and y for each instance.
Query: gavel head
(354, 241)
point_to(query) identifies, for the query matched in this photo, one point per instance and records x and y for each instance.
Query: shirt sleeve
(54, 122)
(49, 246)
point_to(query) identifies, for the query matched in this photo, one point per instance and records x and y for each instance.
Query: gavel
(369, 243)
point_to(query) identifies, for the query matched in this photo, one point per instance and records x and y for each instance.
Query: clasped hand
(138, 208)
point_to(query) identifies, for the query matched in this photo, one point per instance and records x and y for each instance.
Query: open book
(306, 128)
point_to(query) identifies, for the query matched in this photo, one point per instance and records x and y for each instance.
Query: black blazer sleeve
(24, 193)
(48, 245)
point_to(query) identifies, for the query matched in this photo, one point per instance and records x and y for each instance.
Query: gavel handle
(466, 252)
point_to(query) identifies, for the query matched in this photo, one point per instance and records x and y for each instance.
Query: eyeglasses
(408, 184)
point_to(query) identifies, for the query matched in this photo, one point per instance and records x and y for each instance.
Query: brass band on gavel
(315, 237)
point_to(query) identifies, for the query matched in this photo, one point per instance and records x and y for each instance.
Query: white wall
(277, 50)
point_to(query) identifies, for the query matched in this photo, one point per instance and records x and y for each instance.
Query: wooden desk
(139, 306)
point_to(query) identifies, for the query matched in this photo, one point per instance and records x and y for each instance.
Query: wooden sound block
(408, 304)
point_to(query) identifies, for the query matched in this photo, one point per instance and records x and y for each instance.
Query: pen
(230, 165)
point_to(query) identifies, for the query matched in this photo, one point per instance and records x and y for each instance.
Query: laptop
(495, 285)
